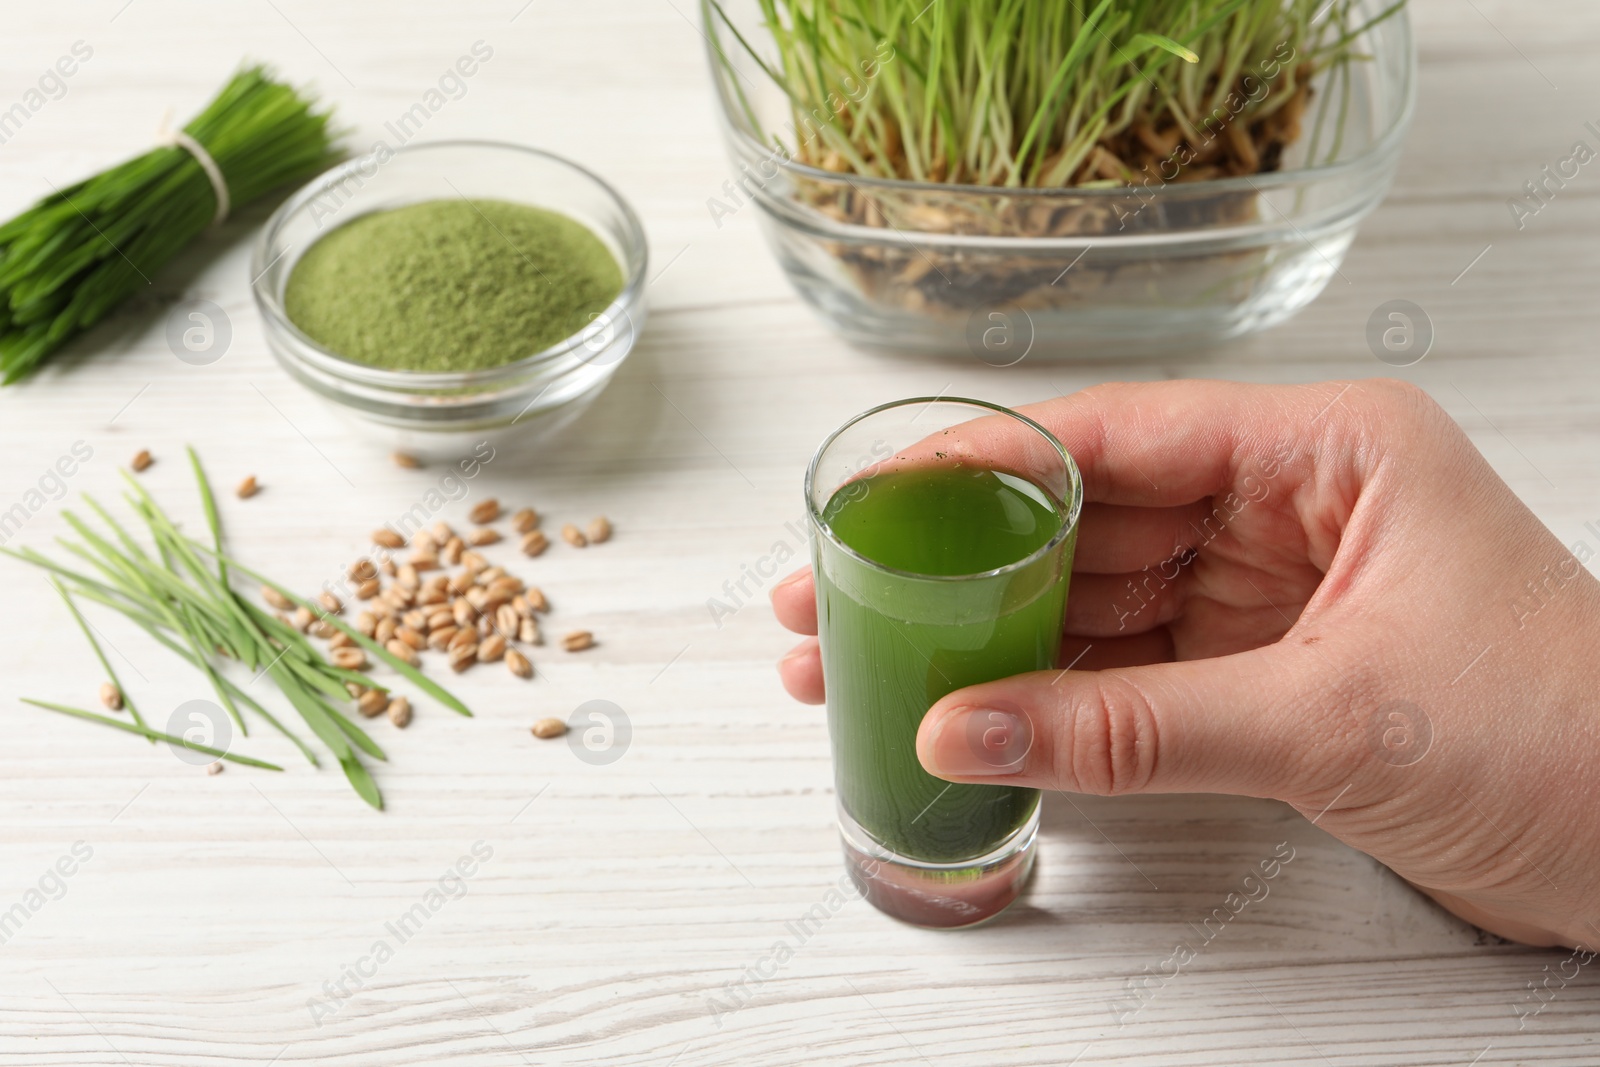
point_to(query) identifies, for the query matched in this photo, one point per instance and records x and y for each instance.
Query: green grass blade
(99, 654)
(421, 680)
(209, 501)
(361, 780)
(355, 733)
(154, 735)
(1145, 41)
(317, 679)
(311, 711)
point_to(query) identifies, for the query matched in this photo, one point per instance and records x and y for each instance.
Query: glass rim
(633, 266)
(1069, 525)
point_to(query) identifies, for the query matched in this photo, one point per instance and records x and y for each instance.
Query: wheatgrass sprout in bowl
(1014, 177)
(450, 292)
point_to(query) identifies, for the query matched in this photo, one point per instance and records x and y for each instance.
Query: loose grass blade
(154, 735)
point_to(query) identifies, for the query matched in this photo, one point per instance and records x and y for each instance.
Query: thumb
(1253, 724)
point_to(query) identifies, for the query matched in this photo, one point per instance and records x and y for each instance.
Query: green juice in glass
(928, 619)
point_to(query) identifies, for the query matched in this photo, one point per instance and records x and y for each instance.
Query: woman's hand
(1320, 594)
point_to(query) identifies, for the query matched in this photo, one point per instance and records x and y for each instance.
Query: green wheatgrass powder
(451, 285)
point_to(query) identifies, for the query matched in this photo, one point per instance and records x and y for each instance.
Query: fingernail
(978, 741)
(795, 577)
(794, 654)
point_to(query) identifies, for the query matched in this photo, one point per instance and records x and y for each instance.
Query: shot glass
(942, 540)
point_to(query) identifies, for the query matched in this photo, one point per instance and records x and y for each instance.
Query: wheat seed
(400, 712)
(506, 619)
(371, 703)
(577, 641)
(247, 488)
(142, 460)
(485, 511)
(599, 530)
(573, 536)
(406, 460)
(388, 538)
(350, 659)
(111, 696)
(534, 543)
(518, 664)
(545, 729)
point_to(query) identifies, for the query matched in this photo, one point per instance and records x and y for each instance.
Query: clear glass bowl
(429, 412)
(936, 268)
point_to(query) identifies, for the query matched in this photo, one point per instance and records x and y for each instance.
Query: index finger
(1141, 444)
(1169, 443)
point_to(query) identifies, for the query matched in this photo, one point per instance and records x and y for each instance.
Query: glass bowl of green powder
(453, 288)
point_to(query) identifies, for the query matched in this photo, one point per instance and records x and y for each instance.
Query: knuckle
(1373, 418)
(1391, 399)
(1109, 746)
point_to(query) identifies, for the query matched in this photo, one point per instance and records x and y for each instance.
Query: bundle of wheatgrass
(180, 591)
(69, 260)
(1051, 93)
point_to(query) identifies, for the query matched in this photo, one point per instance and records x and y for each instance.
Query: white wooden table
(620, 902)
